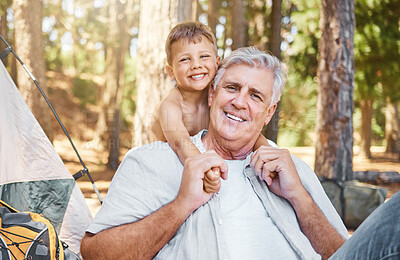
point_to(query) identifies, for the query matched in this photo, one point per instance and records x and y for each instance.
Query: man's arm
(144, 238)
(323, 237)
(269, 161)
(139, 240)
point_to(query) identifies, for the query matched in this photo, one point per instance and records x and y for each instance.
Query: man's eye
(257, 97)
(230, 88)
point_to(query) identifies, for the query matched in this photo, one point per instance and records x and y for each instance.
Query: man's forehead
(239, 74)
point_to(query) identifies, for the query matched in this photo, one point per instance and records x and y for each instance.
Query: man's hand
(191, 193)
(276, 167)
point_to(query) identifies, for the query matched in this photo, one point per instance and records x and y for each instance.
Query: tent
(32, 174)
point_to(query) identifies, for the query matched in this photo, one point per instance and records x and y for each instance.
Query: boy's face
(194, 65)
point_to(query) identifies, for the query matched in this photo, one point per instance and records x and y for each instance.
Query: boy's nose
(196, 64)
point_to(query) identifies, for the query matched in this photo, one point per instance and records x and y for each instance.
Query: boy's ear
(270, 113)
(218, 60)
(170, 71)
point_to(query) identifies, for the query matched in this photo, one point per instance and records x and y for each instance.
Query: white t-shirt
(248, 236)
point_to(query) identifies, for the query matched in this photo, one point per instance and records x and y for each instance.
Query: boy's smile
(194, 64)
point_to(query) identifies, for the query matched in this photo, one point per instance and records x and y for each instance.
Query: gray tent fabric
(50, 197)
(32, 174)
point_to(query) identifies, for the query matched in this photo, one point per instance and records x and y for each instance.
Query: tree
(270, 131)
(29, 47)
(157, 18)
(239, 24)
(212, 15)
(392, 129)
(300, 35)
(377, 58)
(4, 5)
(117, 45)
(334, 146)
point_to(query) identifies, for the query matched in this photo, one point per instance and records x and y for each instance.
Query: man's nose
(240, 100)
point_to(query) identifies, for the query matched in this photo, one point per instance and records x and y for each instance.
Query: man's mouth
(234, 117)
(198, 76)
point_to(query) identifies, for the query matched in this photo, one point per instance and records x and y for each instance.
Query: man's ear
(170, 71)
(270, 113)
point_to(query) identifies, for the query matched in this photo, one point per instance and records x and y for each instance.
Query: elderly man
(270, 204)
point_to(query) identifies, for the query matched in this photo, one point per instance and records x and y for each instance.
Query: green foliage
(377, 49)
(4, 5)
(297, 111)
(298, 105)
(85, 90)
(74, 38)
(128, 106)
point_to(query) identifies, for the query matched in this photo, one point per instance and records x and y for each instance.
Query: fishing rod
(84, 171)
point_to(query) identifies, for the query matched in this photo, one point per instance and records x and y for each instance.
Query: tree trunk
(276, 17)
(334, 146)
(29, 47)
(14, 72)
(212, 15)
(270, 131)
(366, 131)
(196, 10)
(4, 33)
(239, 24)
(108, 125)
(392, 128)
(157, 18)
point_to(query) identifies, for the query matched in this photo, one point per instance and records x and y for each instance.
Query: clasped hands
(202, 175)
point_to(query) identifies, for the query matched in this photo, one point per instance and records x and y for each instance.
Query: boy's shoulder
(172, 100)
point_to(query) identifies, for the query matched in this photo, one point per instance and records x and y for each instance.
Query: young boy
(192, 61)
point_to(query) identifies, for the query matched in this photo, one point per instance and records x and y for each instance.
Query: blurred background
(101, 62)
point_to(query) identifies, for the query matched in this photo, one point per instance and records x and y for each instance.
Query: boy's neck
(193, 97)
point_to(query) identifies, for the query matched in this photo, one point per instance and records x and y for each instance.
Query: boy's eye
(204, 56)
(184, 59)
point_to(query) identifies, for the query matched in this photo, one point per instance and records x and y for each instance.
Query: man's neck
(227, 149)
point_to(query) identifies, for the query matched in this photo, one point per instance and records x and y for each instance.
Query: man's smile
(233, 117)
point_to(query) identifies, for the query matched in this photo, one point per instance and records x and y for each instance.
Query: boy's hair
(191, 31)
(253, 57)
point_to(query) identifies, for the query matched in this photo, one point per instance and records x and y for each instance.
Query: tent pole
(85, 170)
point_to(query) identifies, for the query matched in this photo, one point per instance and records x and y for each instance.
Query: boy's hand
(212, 181)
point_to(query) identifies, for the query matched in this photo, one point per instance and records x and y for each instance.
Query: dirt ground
(95, 161)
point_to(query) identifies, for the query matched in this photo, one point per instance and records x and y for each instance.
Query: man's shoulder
(157, 148)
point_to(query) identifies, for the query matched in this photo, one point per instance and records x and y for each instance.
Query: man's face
(194, 65)
(239, 107)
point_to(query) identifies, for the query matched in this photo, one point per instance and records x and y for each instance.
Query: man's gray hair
(255, 58)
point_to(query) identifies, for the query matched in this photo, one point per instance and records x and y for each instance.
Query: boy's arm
(261, 140)
(179, 139)
(175, 131)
